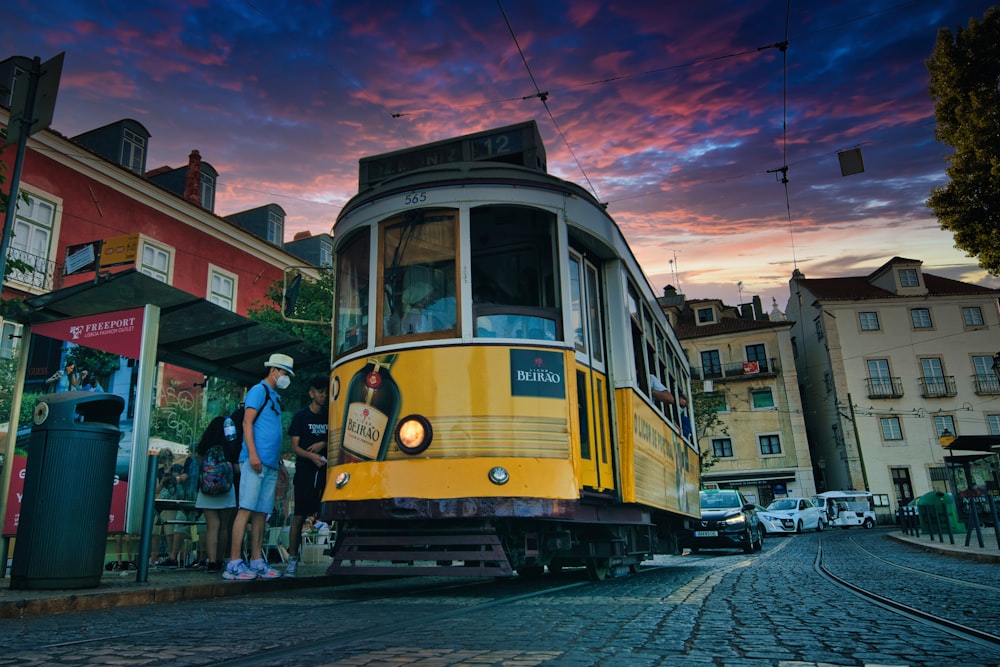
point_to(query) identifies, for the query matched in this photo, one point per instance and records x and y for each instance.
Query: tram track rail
(941, 623)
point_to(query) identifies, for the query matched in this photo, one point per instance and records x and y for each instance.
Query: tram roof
(194, 333)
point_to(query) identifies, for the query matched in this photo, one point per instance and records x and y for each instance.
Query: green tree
(314, 305)
(707, 423)
(964, 77)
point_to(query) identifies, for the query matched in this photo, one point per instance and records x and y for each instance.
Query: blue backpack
(216, 472)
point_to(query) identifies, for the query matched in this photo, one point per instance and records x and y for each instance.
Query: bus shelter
(139, 317)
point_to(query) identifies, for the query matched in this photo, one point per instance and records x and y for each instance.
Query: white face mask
(283, 382)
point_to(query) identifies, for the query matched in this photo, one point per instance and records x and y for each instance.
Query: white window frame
(942, 422)
(895, 432)
(698, 316)
(974, 313)
(921, 323)
(993, 424)
(10, 337)
(275, 228)
(165, 276)
(325, 254)
(908, 278)
(207, 191)
(220, 298)
(865, 322)
(133, 151)
(41, 280)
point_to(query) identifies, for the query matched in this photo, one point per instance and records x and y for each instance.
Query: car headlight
(766, 517)
(735, 520)
(414, 434)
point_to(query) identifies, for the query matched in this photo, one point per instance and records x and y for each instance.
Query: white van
(847, 508)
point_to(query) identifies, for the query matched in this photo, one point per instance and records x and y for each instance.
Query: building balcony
(938, 386)
(986, 384)
(31, 272)
(884, 387)
(741, 370)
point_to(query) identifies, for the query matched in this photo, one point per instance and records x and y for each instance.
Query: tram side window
(419, 274)
(638, 342)
(514, 273)
(352, 293)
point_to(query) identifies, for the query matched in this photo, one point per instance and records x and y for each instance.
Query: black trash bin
(62, 530)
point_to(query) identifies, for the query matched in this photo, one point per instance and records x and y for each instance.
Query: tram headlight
(342, 480)
(413, 434)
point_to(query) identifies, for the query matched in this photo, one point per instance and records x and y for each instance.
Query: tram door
(591, 376)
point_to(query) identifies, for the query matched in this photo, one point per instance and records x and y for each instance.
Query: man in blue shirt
(259, 461)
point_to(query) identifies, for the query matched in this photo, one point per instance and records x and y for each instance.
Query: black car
(727, 521)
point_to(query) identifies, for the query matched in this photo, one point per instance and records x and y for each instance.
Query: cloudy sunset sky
(679, 115)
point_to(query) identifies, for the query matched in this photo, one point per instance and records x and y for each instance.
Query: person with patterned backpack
(216, 492)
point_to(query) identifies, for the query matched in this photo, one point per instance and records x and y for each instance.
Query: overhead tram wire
(543, 96)
(783, 169)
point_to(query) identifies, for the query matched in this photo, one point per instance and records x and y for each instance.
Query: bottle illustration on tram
(372, 405)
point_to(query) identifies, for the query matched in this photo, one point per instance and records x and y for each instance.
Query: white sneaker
(237, 570)
(293, 564)
(261, 568)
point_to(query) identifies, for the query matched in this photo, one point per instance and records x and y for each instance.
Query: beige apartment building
(741, 361)
(888, 364)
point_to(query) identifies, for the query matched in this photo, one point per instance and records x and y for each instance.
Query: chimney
(301, 235)
(192, 184)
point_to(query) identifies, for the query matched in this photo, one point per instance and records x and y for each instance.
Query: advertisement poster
(90, 353)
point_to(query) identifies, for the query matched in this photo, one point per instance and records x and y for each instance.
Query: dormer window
(275, 228)
(705, 315)
(908, 278)
(133, 151)
(207, 190)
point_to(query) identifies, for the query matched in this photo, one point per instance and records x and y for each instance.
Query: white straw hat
(282, 361)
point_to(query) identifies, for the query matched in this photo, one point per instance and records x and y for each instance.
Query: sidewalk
(120, 589)
(988, 553)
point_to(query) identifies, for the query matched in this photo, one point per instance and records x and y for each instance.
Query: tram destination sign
(514, 144)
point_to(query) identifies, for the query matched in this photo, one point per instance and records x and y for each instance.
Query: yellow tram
(490, 401)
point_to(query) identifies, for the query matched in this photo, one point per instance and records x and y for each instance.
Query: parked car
(727, 521)
(792, 515)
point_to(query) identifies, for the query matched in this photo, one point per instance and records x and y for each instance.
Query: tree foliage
(707, 423)
(964, 77)
(314, 305)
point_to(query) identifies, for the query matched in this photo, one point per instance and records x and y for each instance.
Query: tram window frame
(352, 292)
(431, 263)
(576, 302)
(515, 273)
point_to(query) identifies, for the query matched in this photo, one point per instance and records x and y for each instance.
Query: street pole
(857, 443)
(23, 129)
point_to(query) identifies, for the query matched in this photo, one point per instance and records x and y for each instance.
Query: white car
(792, 515)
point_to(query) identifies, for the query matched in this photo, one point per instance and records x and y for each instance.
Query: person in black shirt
(308, 431)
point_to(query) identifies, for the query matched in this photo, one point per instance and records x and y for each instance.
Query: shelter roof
(194, 333)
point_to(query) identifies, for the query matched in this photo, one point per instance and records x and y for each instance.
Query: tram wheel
(598, 569)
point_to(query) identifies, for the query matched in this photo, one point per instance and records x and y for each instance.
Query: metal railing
(986, 384)
(888, 387)
(746, 370)
(41, 274)
(937, 386)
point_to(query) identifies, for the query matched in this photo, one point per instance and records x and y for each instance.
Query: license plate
(706, 533)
